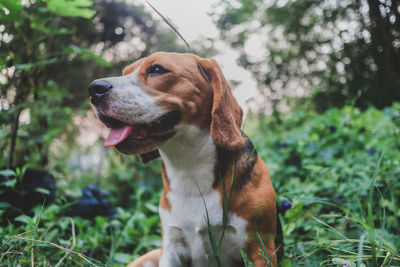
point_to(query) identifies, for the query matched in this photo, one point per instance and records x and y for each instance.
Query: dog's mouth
(120, 131)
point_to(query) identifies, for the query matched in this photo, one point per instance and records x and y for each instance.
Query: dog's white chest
(189, 161)
(186, 234)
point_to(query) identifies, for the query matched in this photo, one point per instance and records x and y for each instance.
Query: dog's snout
(97, 90)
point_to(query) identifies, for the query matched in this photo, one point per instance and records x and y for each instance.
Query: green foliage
(339, 171)
(49, 53)
(48, 237)
(47, 59)
(31, 40)
(341, 51)
(71, 8)
(328, 165)
(13, 7)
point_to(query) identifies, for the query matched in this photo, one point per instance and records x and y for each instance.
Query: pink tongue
(116, 136)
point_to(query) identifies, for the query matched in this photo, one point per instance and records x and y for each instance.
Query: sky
(193, 22)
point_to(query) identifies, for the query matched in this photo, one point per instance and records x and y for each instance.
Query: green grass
(339, 170)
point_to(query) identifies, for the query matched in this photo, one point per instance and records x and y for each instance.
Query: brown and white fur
(199, 151)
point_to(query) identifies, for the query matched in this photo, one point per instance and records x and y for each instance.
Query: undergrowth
(339, 170)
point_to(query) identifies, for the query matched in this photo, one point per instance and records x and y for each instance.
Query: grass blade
(169, 23)
(360, 250)
(370, 219)
(210, 233)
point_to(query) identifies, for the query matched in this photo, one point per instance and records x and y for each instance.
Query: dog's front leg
(174, 255)
(175, 251)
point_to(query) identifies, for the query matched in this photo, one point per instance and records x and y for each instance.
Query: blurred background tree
(49, 52)
(337, 52)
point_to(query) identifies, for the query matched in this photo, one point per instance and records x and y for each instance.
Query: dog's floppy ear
(149, 156)
(226, 114)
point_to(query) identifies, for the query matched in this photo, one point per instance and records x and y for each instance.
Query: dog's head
(145, 107)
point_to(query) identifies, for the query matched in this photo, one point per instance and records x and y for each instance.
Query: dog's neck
(189, 160)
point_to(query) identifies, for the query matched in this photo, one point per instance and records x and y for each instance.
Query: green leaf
(151, 221)
(44, 191)
(8, 173)
(285, 263)
(72, 8)
(24, 219)
(122, 257)
(13, 6)
(153, 208)
(87, 54)
(295, 211)
(9, 183)
(4, 205)
(50, 29)
(31, 65)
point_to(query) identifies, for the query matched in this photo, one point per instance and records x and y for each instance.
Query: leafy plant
(31, 30)
(343, 53)
(339, 171)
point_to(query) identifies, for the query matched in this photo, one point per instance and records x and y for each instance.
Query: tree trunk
(385, 55)
(14, 136)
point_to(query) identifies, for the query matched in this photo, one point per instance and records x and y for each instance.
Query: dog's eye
(156, 70)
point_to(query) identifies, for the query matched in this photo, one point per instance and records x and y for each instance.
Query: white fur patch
(149, 264)
(189, 159)
(128, 101)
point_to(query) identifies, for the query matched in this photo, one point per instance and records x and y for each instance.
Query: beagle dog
(217, 191)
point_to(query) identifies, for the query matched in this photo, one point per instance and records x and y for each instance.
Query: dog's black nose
(97, 90)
